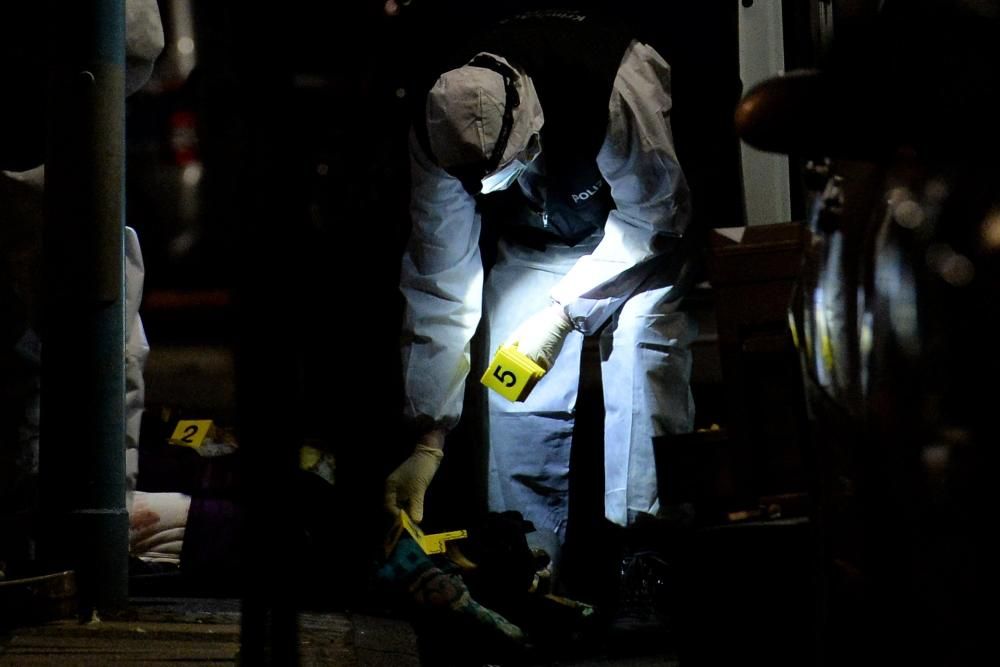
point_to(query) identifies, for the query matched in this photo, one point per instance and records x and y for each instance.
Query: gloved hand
(541, 336)
(405, 487)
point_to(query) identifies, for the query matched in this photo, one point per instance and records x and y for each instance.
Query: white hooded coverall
(616, 276)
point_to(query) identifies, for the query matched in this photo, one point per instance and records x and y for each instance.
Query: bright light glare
(191, 173)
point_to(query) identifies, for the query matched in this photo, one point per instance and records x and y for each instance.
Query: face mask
(503, 177)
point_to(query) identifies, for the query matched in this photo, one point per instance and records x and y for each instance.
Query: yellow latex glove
(406, 486)
(541, 336)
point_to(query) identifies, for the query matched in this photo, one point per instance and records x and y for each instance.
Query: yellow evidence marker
(191, 432)
(431, 544)
(512, 374)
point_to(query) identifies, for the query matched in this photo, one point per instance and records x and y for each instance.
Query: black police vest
(572, 58)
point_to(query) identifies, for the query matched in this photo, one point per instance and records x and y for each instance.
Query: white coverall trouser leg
(645, 370)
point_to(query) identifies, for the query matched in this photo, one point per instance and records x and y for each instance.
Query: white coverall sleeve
(136, 353)
(650, 193)
(441, 279)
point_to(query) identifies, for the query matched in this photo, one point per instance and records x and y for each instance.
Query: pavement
(748, 595)
(179, 631)
(201, 631)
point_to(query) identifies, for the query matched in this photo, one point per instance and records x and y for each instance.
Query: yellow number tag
(309, 457)
(431, 544)
(512, 374)
(191, 432)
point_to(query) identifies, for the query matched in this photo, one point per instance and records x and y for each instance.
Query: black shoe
(641, 621)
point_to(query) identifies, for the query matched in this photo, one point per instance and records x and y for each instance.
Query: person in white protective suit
(21, 222)
(553, 134)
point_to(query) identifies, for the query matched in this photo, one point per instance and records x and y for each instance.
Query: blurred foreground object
(896, 321)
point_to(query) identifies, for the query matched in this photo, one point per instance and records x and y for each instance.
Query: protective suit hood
(23, 67)
(464, 115)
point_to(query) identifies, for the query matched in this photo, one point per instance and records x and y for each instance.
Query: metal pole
(268, 315)
(82, 461)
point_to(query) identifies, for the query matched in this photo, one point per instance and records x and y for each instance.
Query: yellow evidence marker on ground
(191, 432)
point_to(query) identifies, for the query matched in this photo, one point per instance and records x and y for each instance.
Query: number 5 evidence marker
(512, 374)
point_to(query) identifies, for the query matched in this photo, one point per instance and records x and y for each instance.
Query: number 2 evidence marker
(512, 374)
(191, 432)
